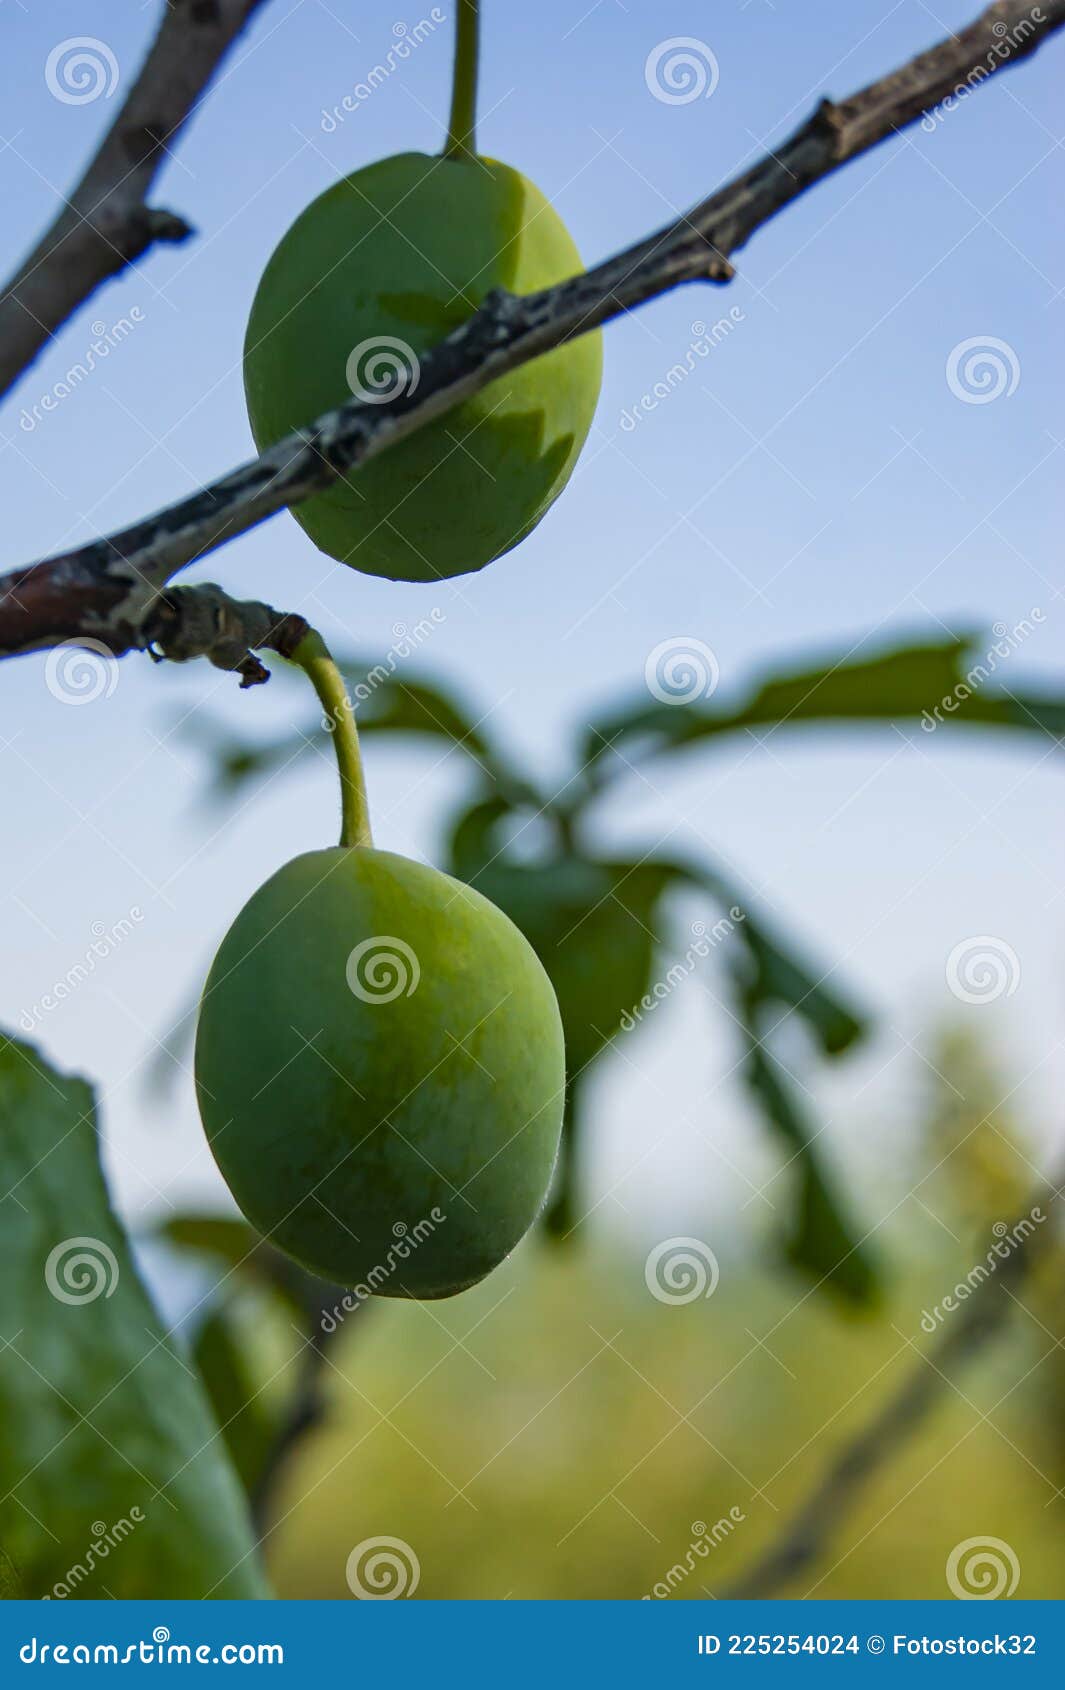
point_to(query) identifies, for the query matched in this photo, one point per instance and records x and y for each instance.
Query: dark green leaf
(821, 1239)
(240, 1405)
(103, 1423)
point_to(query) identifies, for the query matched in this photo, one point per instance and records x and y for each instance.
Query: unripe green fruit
(380, 1071)
(375, 272)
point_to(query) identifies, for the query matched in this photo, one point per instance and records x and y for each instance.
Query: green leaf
(249, 1427)
(820, 1239)
(778, 973)
(104, 1425)
(233, 1242)
(906, 683)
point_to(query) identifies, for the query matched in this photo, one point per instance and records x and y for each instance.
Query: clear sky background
(815, 485)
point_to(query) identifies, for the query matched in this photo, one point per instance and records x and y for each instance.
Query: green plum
(378, 269)
(380, 1072)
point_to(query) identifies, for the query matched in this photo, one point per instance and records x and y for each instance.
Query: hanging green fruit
(379, 1060)
(378, 269)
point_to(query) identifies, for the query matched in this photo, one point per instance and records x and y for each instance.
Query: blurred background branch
(807, 1538)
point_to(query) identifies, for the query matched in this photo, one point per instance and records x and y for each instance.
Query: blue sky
(816, 484)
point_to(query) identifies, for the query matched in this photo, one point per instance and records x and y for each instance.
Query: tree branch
(106, 222)
(203, 621)
(106, 589)
(971, 1329)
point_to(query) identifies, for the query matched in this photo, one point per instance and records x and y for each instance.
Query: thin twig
(105, 589)
(986, 1315)
(106, 222)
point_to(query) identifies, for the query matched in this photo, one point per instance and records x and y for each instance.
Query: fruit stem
(313, 656)
(461, 136)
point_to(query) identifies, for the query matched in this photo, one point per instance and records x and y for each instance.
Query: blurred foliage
(528, 1442)
(602, 927)
(104, 1425)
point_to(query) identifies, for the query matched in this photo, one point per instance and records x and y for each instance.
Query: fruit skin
(337, 1120)
(408, 248)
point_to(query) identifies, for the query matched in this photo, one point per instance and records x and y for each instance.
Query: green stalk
(312, 655)
(461, 129)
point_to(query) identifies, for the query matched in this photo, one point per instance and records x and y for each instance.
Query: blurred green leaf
(103, 1422)
(778, 973)
(241, 1407)
(820, 1239)
(240, 1248)
(384, 702)
(897, 685)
